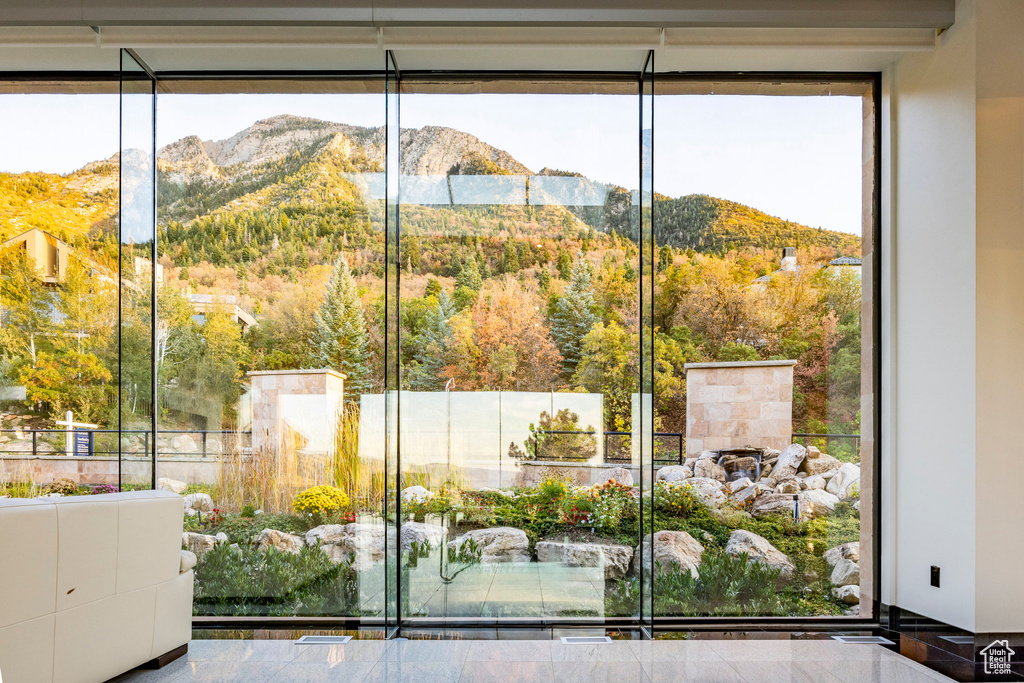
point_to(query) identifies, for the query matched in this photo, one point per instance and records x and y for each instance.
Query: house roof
(844, 261)
(19, 236)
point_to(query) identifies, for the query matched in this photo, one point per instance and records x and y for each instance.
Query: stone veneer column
(734, 405)
(268, 386)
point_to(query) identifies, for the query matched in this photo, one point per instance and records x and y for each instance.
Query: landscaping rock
(198, 544)
(766, 469)
(789, 462)
(813, 452)
(846, 551)
(673, 551)
(362, 543)
(817, 503)
(739, 484)
(848, 594)
(704, 455)
(749, 493)
(614, 558)
(815, 481)
(843, 483)
(430, 534)
(709, 469)
(617, 474)
(199, 501)
(773, 503)
(791, 486)
(708, 491)
(416, 494)
(673, 473)
(165, 484)
(183, 443)
(846, 573)
(759, 550)
(498, 545)
(272, 538)
(820, 465)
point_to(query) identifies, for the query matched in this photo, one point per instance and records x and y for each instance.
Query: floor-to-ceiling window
(452, 349)
(271, 340)
(764, 341)
(520, 348)
(59, 281)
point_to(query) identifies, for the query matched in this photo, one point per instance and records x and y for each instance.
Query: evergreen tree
(470, 276)
(510, 259)
(544, 278)
(574, 316)
(340, 340)
(564, 264)
(434, 346)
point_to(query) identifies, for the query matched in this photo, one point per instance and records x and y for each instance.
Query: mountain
(298, 190)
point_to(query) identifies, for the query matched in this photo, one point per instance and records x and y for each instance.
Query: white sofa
(91, 586)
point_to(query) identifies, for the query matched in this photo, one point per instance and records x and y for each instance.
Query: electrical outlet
(935, 576)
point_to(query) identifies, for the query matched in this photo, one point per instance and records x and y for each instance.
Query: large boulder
(279, 540)
(789, 462)
(672, 551)
(820, 465)
(673, 473)
(846, 551)
(709, 469)
(498, 545)
(614, 558)
(843, 483)
(815, 481)
(361, 543)
(199, 544)
(416, 494)
(848, 594)
(739, 484)
(431, 535)
(846, 573)
(773, 503)
(173, 485)
(199, 501)
(789, 486)
(183, 443)
(617, 474)
(707, 491)
(817, 503)
(758, 549)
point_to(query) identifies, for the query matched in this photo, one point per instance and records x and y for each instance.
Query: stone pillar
(300, 405)
(735, 405)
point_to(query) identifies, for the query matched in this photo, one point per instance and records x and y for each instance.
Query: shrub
(63, 486)
(105, 488)
(320, 500)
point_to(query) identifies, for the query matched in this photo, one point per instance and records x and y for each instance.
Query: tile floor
(526, 661)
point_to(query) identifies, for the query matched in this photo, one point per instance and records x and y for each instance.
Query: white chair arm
(188, 560)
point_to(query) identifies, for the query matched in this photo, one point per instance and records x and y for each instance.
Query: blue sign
(83, 442)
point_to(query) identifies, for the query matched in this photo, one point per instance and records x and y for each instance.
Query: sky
(798, 158)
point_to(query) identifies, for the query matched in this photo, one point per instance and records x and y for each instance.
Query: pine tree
(435, 344)
(340, 341)
(574, 316)
(510, 259)
(470, 276)
(564, 264)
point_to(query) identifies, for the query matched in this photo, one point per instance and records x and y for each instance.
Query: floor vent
(959, 640)
(323, 640)
(863, 640)
(585, 640)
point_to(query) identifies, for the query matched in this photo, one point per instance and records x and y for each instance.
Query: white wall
(1000, 315)
(932, 512)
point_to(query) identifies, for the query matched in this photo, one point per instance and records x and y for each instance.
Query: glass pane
(760, 317)
(58, 287)
(520, 350)
(643, 430)
(391, 284)
(139, 273)
(272, 340)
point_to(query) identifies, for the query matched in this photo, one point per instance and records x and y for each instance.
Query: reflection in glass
(272, 341)
(520, 343)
